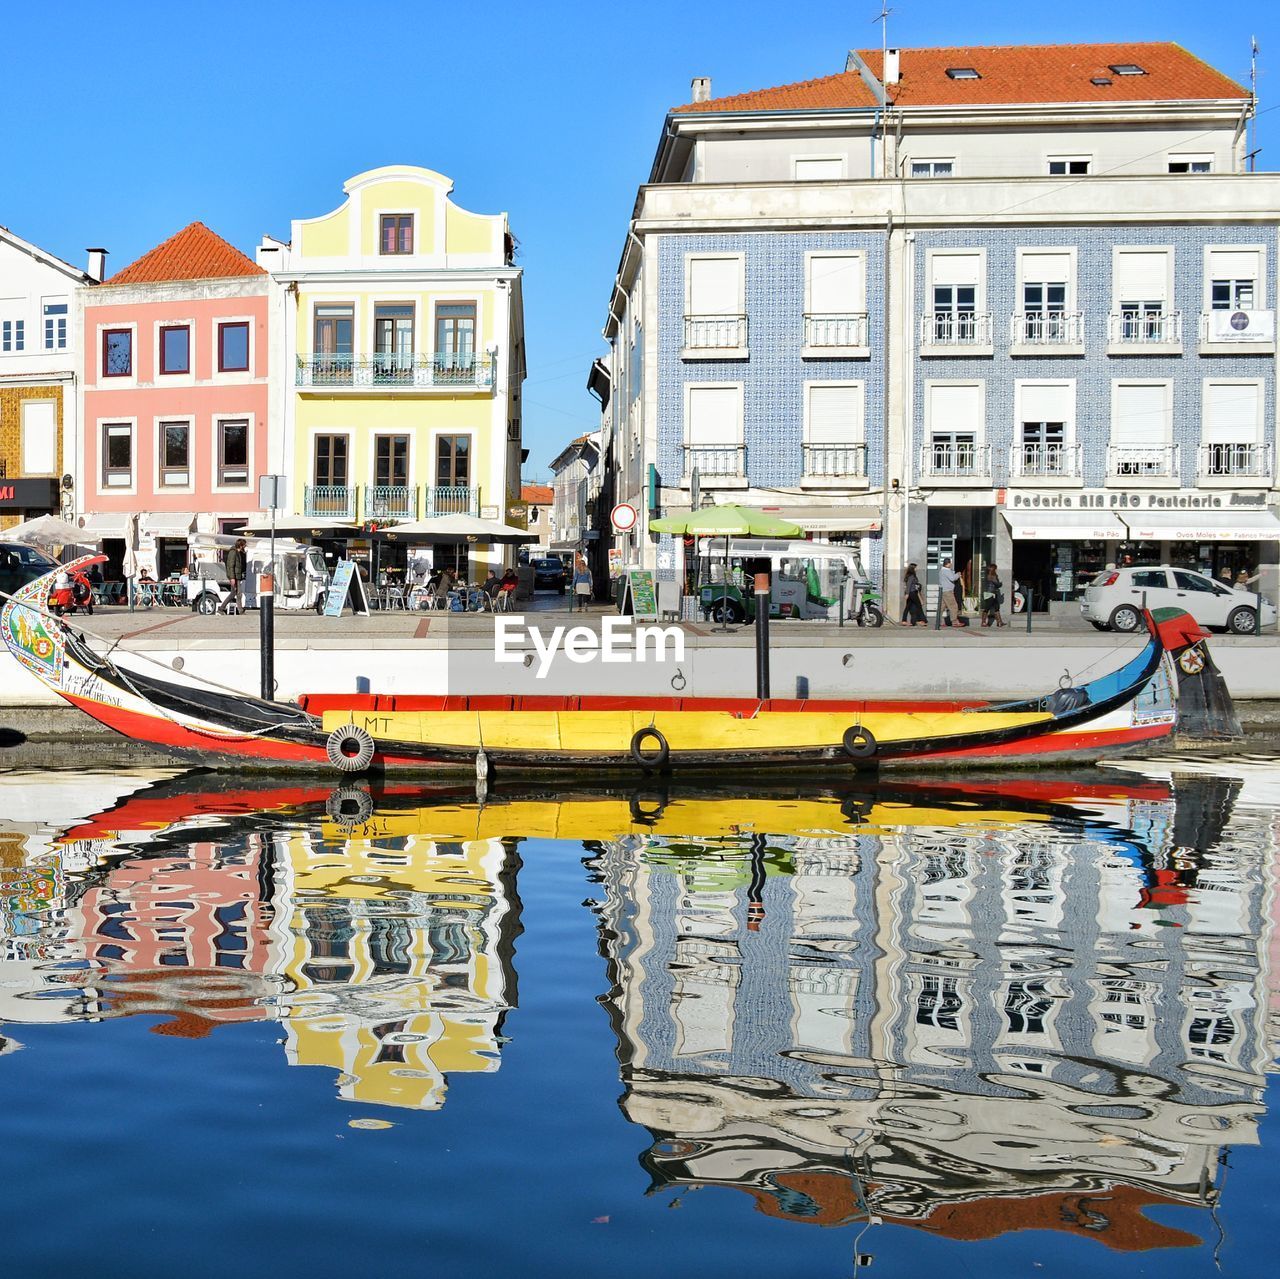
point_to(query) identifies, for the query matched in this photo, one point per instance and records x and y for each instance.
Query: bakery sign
(1131, 500)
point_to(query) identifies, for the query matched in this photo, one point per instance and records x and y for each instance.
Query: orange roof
(1008, 74)
(538, 494)
(195, 253)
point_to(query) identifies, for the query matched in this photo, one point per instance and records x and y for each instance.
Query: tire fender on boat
(350, 749)
(657, 759)
(859, 742)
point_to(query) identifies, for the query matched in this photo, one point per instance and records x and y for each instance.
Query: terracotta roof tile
(195, 253)
(537, 494)
(1008, 74)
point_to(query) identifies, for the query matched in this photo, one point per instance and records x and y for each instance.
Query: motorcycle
(71, 592)
(867, 609)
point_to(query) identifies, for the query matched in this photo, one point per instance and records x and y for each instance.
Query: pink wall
(203, 396)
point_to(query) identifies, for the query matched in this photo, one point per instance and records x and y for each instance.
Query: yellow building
(400, 326)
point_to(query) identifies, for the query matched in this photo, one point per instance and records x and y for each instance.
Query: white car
(1115, 598)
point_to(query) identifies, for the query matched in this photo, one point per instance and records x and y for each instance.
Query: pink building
(175, 398)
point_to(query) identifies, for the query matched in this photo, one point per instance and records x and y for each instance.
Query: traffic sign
(623, 517)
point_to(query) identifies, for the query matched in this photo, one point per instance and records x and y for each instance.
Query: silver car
(1114, 600)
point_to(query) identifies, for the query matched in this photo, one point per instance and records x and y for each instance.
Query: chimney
(701, 89)
(891, 66)
(97, 267)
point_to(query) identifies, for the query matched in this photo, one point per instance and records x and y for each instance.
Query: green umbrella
(726, 521)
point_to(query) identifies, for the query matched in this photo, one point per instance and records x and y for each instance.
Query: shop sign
(28, 494)
(1132, 500)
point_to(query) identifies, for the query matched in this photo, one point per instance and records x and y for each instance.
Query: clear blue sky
(125, 122)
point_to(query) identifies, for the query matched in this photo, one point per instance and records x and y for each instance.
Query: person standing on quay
(992, 597)
(235, 565)
(949, 594)
(912, 610)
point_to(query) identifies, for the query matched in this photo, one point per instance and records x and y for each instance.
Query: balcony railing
(390, 502)
(715, 332)
(955, 328)
(711, 460)
(1047, 328)
(1144, 328)
(333, 501)
(450, 499)
(1243, 461)
(956, 461)
(1241, 326)
(411, 370)
(1045, 462)
(1144, 461)
(835, 461)
(822, 330)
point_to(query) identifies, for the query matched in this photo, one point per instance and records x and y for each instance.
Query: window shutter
(714, 286)
(1045, 403)
(1046, 268)
(814, 170)
(1142, 276)
(1140, 415)
(715, 415)
(955, 408)
(835, 285)
(1231, 413)
(39, 437)
(1234, 264)
(835, 415)
(956, 268)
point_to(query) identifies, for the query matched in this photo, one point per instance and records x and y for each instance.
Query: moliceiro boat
(1131, 707)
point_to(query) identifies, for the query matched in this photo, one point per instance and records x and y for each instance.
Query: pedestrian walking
(992, 597)
(235, 565)
(581, 583)
(947, 594)
(961, 620)
(913, 613)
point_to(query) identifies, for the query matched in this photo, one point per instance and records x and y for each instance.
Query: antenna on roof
(1253, 106)
(883, 19)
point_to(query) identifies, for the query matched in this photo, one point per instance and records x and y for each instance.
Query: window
(1044, 417)
(1149, 580)
(117, 353)
(1233, 279)
(938, 1002)
(233, 347)
(330, 468)
(1141, 428)
(393, 342)
(12, 336)
(955, 415)
(1191, 164)
(395, 234)
(117, 455)
(1045, 292)
(39, 437)
(932, 168)
(818, 168)
(1063, 165)
(713, 429)
(1026, 1005)
(233, 453)
(714, 286)
(175, 349)
(456, 337)
(954, 298)
(834, 307)
(1231, 429)
(1184, 581)
(835, 414)
(55, 326)
(391, 461)
(1141, 293)
(453, 461)
(1126, 68)
(963, 73)
(175, 454)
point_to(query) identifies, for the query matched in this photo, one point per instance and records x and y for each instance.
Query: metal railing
(715, 332)
(956, 461)
(390, 502)
(824, 461)
(1144, 461)
(1045, 461)
(1047, 328)
(1131, 326)
(450, 499)
(1246, 461)
(715, 459)
(835, 330)
(955, 328)
(335, 501)
(414, 370)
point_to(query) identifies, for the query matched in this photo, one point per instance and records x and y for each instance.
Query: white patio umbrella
(455, 529)
(50, 531)
(304, 525)
(130, 566)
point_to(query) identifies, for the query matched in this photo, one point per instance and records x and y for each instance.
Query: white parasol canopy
(50, 531)
(455, 529)
(306, 525)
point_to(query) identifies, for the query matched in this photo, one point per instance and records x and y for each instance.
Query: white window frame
(739, 258)
(932, 160)
(244, 415)
(1260, 280)
(12, 318)
(100, 479)
(54, 300)
(847, 384)
(237, 375)
(1257, 383)
(1119, 250)
(859, 305)
(22, 435)
(1191, 157)
(1050, 160)
(1117, 383)
(980, 292)
(837, 157)
(157, 460)
(739, 387)
(1026, 250)
(980, 435)
(1069, 421)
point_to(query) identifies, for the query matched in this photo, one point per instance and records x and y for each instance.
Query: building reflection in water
(967, 1016)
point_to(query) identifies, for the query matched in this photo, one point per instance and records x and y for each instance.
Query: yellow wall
(327, 237)
(400, 197)
(468, 232)
(366, 297)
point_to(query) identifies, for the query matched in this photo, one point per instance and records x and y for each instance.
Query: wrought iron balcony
(414, 371)
(333, 501)
(956, 328)
(1047, 328)
(712, 460)
(450, 499)
(390, 502)
(1239, 461)
(1144, 461)
(835, 461)
(947, 459)
(1045, 462)
(711, 333)
(1135, 327)
(831, 330)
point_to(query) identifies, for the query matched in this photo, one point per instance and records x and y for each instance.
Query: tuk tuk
(302, 579)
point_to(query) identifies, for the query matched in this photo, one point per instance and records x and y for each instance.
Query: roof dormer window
(1102, 81)
(1127, 68)
(963, 73)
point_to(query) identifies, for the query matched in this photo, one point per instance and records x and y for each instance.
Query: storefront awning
(830, 519)
(1064, 526)
(1202, 526)
(113, 524)
(168, 523)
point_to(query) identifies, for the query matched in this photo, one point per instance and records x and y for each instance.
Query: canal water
(1018, 1027)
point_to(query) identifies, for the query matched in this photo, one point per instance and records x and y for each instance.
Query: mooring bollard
(1026, 604)
(762, 635)
(937, 612)
(1257, 614)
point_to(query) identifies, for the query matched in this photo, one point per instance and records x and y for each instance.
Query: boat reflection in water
(969, 1009)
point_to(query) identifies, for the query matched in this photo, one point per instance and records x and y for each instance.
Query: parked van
(302, 579)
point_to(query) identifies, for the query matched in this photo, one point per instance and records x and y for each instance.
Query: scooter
(867, 610)
(71, 592)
